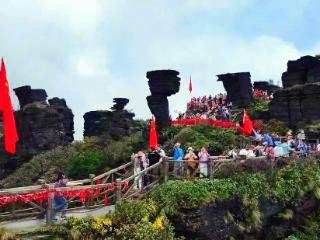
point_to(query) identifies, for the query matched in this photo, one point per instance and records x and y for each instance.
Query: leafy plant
(256, 107)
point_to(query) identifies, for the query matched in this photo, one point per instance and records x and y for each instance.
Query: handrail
(142, 172)
(112, 171)
(27, 189)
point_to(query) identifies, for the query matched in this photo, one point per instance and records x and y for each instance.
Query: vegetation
(217, 140)
(257, 107)
(132, 220)
(6, 234)
(95, 155)
(276, 126)
(148, 219)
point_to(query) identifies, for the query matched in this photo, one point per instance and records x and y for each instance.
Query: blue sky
(89, 51)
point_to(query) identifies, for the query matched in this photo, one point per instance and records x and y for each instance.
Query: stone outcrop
(116, 124)
(299, 102)
(162, 84)
(41, 126)
(266, 86)
(238, 87)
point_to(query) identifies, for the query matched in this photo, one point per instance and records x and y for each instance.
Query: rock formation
(115, 124)
(238, 87)
(41, 125)
(162, 83)
(299, 102)
(266, 86)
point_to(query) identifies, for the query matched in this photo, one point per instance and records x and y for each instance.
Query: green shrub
(217, 140)
(84, 164)
(256, 107)
(276, 126)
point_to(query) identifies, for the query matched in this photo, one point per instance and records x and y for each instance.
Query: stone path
(28, 224)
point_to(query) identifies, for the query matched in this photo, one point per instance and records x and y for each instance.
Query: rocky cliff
(162, 84)
(116, 124)
(298, 103)
(41, 125)
(238, 87)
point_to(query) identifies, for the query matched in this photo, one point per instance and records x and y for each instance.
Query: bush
(276, 126)
(218, 140)
(257, 107)
(84, 164)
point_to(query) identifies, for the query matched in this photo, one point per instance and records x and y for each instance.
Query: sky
(90, 51)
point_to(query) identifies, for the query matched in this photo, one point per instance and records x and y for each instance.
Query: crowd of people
(215, 107)
(262, 95)
(196, 163)
(273, 146)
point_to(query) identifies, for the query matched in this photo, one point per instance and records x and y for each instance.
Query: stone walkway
(28, 224)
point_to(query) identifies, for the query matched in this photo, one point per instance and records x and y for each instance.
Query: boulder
(115, 124)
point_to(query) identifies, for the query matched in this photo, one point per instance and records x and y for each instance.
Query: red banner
(84, 195)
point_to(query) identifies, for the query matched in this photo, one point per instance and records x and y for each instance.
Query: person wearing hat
(191, 162)
(140, 162)
(301, 136)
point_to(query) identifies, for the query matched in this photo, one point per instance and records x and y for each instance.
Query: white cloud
(89, 51)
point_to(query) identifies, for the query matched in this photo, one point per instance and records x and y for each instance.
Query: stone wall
(238, 87)
(41, 126)
(299, 102)
(116, 124)
(162, 83)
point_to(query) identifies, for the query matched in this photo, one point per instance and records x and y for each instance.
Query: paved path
(28, 224)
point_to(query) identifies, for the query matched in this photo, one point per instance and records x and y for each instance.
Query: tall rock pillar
(162, 84)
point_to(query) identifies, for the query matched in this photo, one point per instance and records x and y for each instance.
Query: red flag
(247, 124)
(153, 138)
(190, 85)
(9, 125)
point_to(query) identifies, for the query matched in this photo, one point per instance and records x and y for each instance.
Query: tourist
(178, 157)
(243, 153)
(191, 162)
(250, 152)
(140, 162)
(318, 150)
(258, 150)
(301, 135)
(233, 153)
(203, 162)
(302, 148)
(59, 201)
(161, 151)
(257, 136)
(154, 156)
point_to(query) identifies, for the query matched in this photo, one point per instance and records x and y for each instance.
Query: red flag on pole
(9, 124)
(153, 138)
(190, 85)
(247, 124)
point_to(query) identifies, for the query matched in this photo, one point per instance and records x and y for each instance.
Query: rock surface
(299, 102)
(41, 125)
(162, 83)
(266, 86)
(238, 87)
(116, 124)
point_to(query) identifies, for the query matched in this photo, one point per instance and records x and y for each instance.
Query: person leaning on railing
(178, 154)
(203, 162)
(191, 162)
